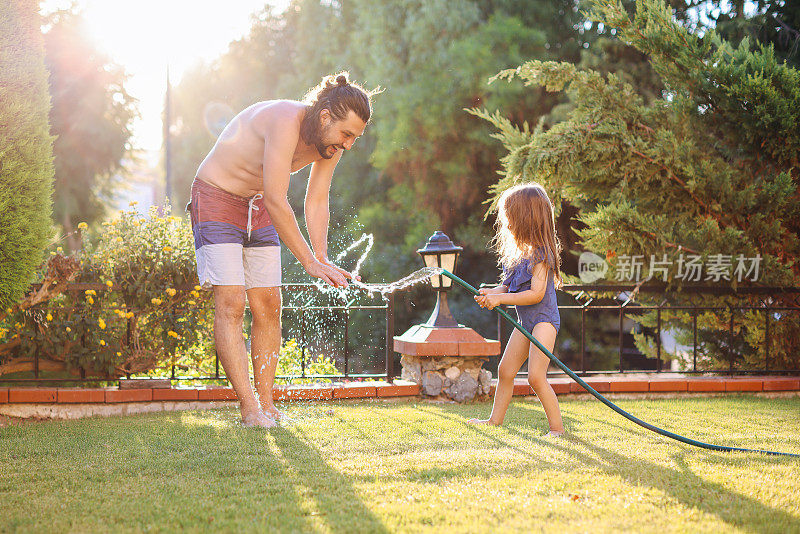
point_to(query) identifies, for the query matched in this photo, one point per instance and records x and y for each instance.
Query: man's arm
(281, 133)
(317, 204)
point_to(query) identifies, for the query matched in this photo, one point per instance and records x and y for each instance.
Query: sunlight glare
(147, 36)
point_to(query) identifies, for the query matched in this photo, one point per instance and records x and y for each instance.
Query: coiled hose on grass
(601, 398)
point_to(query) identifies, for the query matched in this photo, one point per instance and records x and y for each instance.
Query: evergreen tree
(710, 168)
(26, 149)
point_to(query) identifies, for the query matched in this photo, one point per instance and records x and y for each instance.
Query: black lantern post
(440, 252)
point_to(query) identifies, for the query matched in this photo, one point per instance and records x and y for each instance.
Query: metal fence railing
(773, 302)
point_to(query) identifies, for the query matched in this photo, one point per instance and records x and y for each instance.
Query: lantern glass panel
(449, 263)
(432, 260)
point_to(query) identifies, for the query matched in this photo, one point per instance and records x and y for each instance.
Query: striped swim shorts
(235, 242)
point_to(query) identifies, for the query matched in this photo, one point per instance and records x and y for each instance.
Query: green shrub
(141, 311)
(137, 312)
(26, 149)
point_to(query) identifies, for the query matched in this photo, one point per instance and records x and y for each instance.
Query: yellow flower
(60, 249)
(129, 315)
(52, 253)
(167, 249)
(90, 300)
(49, 317)
(90, 292)
(69, 329)
(173, 334)
(82, 226)
(195, 294)
(132, 203)
(171, 292)
(155, 301)
(109, 283)
(119, 240)
(103, 342)
(244, 335)
(191, 303)
(9, 310)
(102, 324)
(119, 354)
(197, 288)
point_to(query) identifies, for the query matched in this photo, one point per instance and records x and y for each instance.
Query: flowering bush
(139, 307)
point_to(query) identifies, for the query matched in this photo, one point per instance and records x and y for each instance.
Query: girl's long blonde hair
(525, 222)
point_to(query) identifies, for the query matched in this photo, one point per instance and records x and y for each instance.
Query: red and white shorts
(235, 242)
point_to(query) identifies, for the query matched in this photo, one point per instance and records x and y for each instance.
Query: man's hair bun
(341, 80)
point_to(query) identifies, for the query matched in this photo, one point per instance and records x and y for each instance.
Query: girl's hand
(488, 301)
(492, 290)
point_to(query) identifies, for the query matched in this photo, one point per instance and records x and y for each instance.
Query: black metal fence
(623, 307)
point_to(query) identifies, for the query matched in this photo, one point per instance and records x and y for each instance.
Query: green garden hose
(601, 398)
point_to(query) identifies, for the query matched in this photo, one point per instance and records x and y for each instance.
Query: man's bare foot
(258, 418)
(273, 412)
(483, 422)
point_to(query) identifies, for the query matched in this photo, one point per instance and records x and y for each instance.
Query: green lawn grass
(410, 467)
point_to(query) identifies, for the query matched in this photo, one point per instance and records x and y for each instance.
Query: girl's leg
(537, 374)
(513, 358)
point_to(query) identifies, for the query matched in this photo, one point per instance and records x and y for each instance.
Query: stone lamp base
(446, 361)
(458, 378)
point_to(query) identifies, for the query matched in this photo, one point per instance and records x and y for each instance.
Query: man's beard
(322, 148)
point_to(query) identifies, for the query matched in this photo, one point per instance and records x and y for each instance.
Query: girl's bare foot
(482, 422)
(258, 418)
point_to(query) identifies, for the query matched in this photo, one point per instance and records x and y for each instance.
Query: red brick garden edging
(400, 388)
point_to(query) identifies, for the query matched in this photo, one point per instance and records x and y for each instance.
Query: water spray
(425, 273)
(600, 397)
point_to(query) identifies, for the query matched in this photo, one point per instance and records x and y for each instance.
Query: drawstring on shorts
(252, 206)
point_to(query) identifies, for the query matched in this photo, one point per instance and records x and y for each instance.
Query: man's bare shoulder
(272, 113)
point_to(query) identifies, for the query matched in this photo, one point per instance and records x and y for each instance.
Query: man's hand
(326, 261)
(328, 272)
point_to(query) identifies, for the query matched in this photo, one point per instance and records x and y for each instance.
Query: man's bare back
(235, 164)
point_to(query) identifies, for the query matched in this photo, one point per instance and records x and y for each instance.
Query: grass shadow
(685, 487)
(338, 503)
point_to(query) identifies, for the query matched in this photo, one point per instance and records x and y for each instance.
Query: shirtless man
(239, 208)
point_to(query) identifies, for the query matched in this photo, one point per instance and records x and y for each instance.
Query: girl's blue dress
(519, 279)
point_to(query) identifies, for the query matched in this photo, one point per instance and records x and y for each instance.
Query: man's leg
(265, 342)
(228, 316)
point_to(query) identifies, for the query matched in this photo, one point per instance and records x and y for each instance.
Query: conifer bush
(711, 168)
(26, 149)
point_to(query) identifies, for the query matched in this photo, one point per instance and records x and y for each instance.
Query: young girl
(529, 253)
